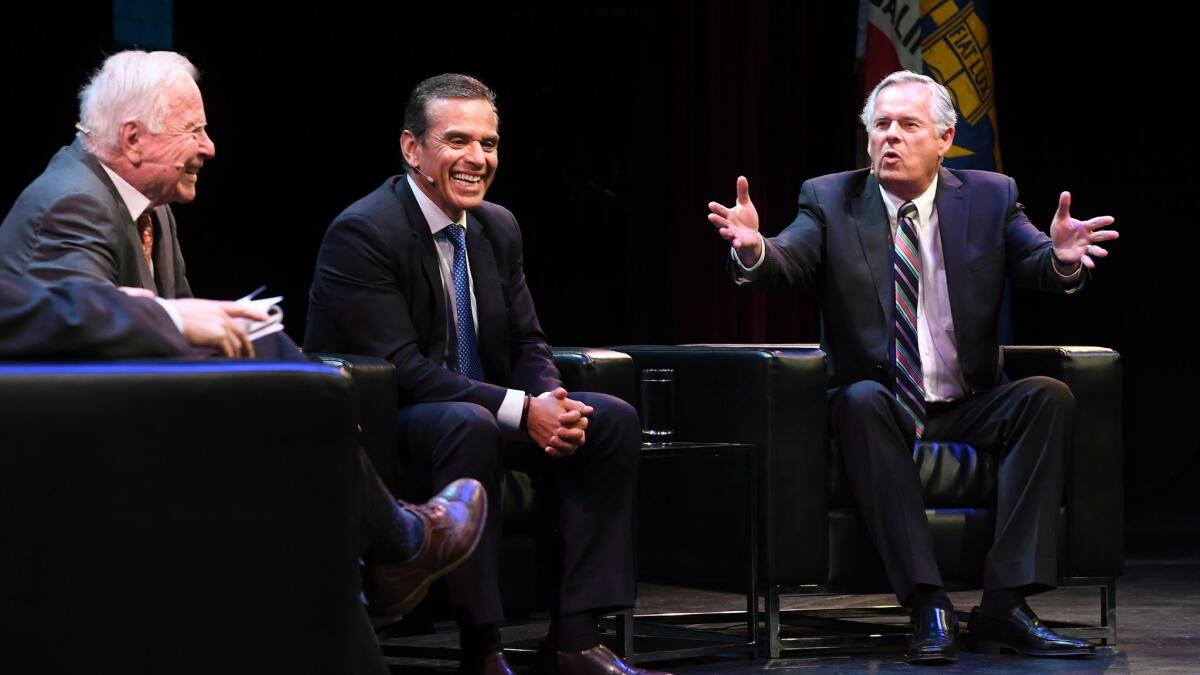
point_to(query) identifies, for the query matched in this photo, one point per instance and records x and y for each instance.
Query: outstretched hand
(739, 225)
(1075, 241)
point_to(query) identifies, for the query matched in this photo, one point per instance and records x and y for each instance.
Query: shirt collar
(434, 217)
(924, 202)
(134, 201)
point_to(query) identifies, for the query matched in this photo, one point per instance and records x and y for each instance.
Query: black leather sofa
(811, 540)
(177, 517)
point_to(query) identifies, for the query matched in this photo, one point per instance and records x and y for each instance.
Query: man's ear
(129, 142)
(409, 146)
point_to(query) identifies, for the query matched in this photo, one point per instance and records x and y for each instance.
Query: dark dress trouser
(375, 512)
(1025, 423)
(446, 441)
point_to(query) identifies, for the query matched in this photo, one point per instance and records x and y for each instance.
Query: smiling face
(165, 166)
(903, 142)
(458, 157)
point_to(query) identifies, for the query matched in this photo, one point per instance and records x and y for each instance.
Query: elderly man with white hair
(100, 209)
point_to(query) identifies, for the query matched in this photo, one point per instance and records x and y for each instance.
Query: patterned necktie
(146, 230)
(466, 359)
(906, 263)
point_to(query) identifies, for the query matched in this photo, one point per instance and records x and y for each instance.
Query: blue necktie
(466, 359)
(906, 261)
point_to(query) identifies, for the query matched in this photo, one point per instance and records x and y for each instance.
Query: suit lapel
(489, 297)
(131, 237)
(430, 269)
(953, 203)
(869, 218)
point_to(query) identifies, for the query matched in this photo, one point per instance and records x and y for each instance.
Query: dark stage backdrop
(621, 121)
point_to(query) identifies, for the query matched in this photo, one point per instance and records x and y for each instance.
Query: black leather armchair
(177, 516)
(529, 548)
(811, 539)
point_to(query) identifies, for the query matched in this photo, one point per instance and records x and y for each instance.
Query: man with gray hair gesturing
(909, 261)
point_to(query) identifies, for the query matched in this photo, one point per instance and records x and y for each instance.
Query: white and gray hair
(130, 86)
(941, 105)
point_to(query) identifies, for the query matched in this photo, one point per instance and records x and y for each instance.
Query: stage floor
(1158, 629)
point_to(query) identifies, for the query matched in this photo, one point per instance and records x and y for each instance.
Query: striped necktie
(466, 358)
(906, 263)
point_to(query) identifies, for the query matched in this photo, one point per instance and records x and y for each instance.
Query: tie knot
(457, 234)
(908, 210)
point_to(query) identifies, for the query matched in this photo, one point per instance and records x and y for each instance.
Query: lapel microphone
(431, 181)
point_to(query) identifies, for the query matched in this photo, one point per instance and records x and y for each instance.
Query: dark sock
(927, 596)
(1000, 602)
(574, 632)
(387, 532)
(478, 641)
(398, 537)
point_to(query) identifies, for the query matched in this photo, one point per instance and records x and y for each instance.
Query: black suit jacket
(70, 223)
(840, 245)
(378, 291)
(81, 320)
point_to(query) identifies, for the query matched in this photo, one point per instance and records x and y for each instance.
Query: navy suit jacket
(378, 291)
(81, 320)
(840, 246)
(70, 223)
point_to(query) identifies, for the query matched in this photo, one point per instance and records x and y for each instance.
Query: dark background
(621, 121)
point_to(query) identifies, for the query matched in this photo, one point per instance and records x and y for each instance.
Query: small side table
(658, 637)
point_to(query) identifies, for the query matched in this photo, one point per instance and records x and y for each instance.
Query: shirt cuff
(762, 254)
(509, 414)
(1073, 275)
(1075, 278)
(171, 312)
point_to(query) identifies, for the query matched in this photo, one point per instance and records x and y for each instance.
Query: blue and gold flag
(954, 49)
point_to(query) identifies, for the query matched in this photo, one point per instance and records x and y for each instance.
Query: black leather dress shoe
(1022, 633)
(935, 630)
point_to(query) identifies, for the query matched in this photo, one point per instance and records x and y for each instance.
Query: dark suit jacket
(81, 320)
(840, 245)
(377, 291)
(70, 223)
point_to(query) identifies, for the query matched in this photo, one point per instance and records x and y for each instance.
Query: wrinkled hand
(1075, 240)
(213, 323)
(739, 225)
(557, 423)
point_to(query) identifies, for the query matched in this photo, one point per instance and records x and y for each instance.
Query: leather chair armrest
(597, 369)
(1094, 494)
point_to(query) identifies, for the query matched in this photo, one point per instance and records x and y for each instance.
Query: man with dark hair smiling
(425, 273)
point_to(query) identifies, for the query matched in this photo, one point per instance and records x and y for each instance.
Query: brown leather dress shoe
(492, 664)
(598, 660)
(453, 522)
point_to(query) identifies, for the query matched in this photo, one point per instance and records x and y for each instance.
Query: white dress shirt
(509, 414)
